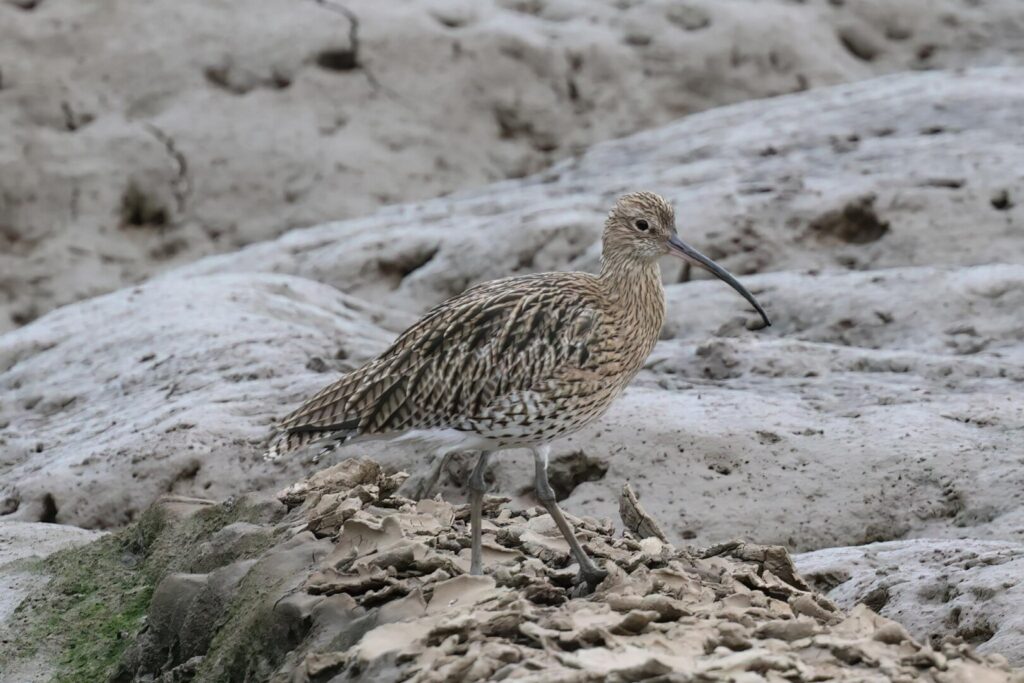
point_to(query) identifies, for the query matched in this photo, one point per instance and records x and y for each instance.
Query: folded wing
(494, 347)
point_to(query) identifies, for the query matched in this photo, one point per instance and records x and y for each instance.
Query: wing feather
(481, 349)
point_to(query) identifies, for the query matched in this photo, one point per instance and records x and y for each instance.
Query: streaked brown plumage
(516, 362)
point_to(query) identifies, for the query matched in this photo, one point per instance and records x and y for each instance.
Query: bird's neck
(635, 291)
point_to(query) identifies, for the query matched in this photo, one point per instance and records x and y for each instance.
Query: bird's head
(641, 228)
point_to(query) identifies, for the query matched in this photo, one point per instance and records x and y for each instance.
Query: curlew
(514, 363)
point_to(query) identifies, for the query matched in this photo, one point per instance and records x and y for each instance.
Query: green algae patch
(98, 595)
(242, 648)
(85, 616)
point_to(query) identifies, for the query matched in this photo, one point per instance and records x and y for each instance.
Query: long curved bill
(681, 249)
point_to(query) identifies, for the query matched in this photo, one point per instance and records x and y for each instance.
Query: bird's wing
(468, 354)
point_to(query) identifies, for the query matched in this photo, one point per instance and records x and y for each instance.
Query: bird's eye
(641, 224)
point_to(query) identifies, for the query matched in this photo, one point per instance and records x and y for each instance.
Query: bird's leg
(592, 574)
(477, 488)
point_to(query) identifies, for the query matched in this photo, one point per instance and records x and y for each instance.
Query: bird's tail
(281, 444)
(289, 440)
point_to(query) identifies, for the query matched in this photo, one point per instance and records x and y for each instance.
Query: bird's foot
(587, 582)
(592, 576)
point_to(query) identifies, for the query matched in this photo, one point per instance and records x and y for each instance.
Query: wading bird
(514, 363)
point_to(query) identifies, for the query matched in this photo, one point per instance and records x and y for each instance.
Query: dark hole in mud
(947, 183)
(877, 598)
(1001, 201)
(316, 364)
(638, 40)
(449, 21)
(976, 634)
(855, 223)
(856, 44)
(9, 503)
(898, 33)
(404, 265)
(138, 209)
(568, 472)
(512, 125)
(25, 315)
(217, 76)
(48, 515)
(337, 59)
(190, 471)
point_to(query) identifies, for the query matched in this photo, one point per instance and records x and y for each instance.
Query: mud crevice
(347, 58)
(182, 181)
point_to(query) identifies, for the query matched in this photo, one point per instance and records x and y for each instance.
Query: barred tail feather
(283, 443)
(289, 440)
